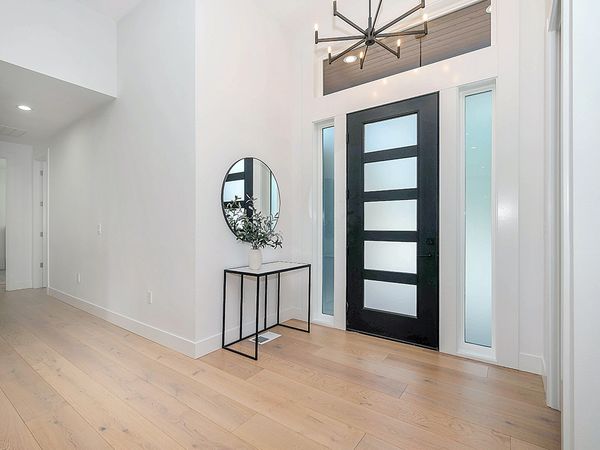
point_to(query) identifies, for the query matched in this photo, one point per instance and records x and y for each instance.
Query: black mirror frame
(225, 181)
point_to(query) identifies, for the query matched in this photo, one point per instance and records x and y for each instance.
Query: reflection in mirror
(250, 187)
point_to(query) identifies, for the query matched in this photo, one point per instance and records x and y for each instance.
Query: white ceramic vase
(255, 259)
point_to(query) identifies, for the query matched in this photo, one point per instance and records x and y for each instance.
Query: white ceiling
(115, 9)
(55, 103)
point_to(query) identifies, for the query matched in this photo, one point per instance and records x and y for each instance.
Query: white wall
(582, 334)
(130, 167)
(247, 105)
(62, 39)
(18, 215)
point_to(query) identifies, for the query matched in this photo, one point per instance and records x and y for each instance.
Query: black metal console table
(274, 268)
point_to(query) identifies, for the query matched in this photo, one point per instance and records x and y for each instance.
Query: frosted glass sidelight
(391, 175)
(391, 256)
(328, 220)
(391, 297)
(392, 133)
(398, 215)
(478, 218)
(233, 188)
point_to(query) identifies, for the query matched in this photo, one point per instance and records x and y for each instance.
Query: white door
(40, 258)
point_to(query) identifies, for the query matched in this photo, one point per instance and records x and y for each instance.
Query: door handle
(427, 255)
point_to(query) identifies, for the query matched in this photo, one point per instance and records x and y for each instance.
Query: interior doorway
(392, 223)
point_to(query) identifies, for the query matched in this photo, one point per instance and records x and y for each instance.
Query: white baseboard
(170, 340)
(324, 323)
(545, 376)
(207, 345)
(18, 285)
(531, 363)
(180, 344)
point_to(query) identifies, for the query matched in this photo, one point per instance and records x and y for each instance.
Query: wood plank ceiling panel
(454, 34)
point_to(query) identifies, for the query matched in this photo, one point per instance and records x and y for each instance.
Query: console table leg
(257, 310)
(224, 304)
(278, 295)
(266, 293)
(241, 305)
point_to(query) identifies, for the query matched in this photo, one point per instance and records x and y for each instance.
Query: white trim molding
(531, 363)
(17, 285)
(177, 343)
(505, 349)
(464, 348)
(193, 349)
(552, 285)
(317, 286)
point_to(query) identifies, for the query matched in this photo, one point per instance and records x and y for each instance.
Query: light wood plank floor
(71, 380)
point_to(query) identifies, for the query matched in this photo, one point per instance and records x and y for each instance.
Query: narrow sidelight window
(328, 222)
(478, 218)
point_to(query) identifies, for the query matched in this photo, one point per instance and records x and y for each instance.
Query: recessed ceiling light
(24, 107)
(488, 9)
(350, 59)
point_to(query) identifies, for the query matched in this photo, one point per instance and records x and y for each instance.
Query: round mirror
(249, 188)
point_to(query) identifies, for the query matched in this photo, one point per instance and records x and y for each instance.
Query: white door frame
(45, 209)
(552, 287)
(464, 348)
(566, 232)
(317, 307)
(452, 228)
(338, 320)
(40, 233)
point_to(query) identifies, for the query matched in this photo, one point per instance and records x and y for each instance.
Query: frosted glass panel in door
(392, 133)
(398, 215)
(391, 297)
(391, 256)
(390, 175)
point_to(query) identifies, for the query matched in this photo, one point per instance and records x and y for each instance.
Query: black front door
(392, 224)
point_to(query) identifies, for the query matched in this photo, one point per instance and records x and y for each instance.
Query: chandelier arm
(396, 54)
(349, 22)
(398, 19)
(403, 33)
(348, 50)
(377, 13)
(339, 39)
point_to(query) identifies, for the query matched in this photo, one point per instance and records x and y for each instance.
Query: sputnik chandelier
(372, 35)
